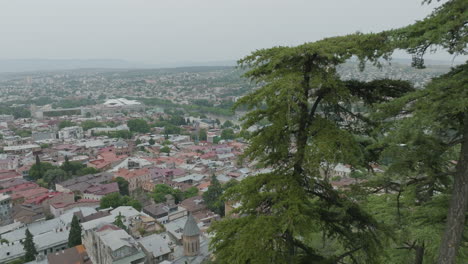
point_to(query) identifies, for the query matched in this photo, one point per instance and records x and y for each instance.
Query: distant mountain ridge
(34, 65)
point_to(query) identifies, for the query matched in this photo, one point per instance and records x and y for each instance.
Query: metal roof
(191, 227)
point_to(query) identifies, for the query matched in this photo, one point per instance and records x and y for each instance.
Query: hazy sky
(162, 31)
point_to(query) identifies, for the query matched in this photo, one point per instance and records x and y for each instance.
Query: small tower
(191, 237)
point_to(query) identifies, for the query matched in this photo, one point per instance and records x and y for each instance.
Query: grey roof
(191, 227)
(157, 244)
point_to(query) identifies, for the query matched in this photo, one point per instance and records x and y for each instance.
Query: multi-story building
(112, 245)
(9, 162)
(5, 209)
(43, 135)
(74, 132)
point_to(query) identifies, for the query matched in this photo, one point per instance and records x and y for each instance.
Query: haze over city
(233, 132)
(175, 33)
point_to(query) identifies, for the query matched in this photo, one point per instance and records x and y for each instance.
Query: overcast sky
(164, 31)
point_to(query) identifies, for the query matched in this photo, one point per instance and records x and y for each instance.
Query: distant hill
(42, 65)
(52, 65)
(32, 65)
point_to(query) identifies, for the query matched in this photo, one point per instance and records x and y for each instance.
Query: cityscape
(330, 151)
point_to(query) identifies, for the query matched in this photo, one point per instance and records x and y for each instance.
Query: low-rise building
(74, 255)
(96, 192)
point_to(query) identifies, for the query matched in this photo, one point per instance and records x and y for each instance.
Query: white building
(5, 209)
(74, 132)
(9, 162)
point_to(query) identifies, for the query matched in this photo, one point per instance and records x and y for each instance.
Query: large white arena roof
(120, 102)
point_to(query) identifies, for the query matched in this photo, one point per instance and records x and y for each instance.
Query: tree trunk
(458, 205)
(419, 254)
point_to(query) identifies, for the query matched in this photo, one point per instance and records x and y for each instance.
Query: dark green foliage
(88, 124)
(29, 247)
(17, 112)
(86, 171)
(66, 123)
(191, 192)
(138, 125)
(73, 103)
(212, 197)
(283, 212)
(115, 200)
(202, 136)
(165, 149)
(446, 27)
(228, 134)
(53, 176)
(37, 171)
(74, 237)
(71, 167)
(151, 141)
(119, 222)
(125, 134)
(227, 124)
(422, 149)
(171, 129)
(161, 190)
(123, 185)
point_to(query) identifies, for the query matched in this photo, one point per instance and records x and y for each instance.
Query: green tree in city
(123, 185)
(191, 192)
(138, 125)
(151, 141)
(53, 176)
(66, 123)
(160, 191)
(88, 124)
(228, 134)
(71, 167)
(165, 149)
(287, 213)
(212, 197)
(29, 247)
(86, 171)
(38, 170)
(74, 237)
(227, 124)
(202, 136)
(119, 222)
(115, 200)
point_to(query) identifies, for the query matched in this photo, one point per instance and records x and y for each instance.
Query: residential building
(74, 255)
(96, 192)
(5, 210)
(74, 132)
(112, 245)
(9, 162)
(157, 247)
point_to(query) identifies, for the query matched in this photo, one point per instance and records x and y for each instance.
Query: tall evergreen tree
(212, 197)
(29, 247)
(443, 103)
(74, 237)
(423, 147)
(309, 120)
